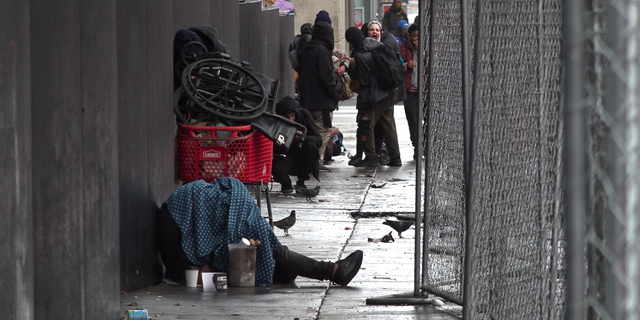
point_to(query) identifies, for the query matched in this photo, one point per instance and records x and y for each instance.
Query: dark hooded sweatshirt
(391, 18)
(316, 82)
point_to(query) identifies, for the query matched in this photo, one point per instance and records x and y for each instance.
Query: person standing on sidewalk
(316, 81)
(374, 104)
(393, 15)
(409, 51)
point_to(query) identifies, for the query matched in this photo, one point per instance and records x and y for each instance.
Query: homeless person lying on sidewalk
(199, 219)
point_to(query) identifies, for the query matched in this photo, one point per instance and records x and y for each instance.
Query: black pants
(411, 105)
(289, 264)
(298, 162)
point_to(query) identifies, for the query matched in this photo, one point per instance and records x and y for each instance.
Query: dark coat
(364, 70)
(388, 39)
(305, 118)
(391, 18)
(316, 82)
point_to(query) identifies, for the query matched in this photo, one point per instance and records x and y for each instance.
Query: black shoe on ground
(354, 161)
(384, 158)
(300, 184)
(395, 162)
(348, 268)
(324, 168)
(368, 163)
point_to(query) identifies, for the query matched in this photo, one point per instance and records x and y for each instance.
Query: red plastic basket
(208, 153)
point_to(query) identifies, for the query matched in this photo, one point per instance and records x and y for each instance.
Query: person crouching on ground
(302, 157)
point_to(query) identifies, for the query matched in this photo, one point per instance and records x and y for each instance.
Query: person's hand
(298, 135)
(412, 64)
(341, 70)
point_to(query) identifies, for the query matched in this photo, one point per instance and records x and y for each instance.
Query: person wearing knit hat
(301, 159)
(323, 16)
(317, 86)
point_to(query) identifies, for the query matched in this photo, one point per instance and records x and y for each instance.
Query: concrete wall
(75, 158)
(287, 77)
(87, 129)
(16, 236)
(146, 131)
(225, 16)
(306, 11)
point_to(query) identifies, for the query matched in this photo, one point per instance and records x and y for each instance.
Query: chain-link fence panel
(517, 167)
(444, 147)
(613, 225)
(517, 260)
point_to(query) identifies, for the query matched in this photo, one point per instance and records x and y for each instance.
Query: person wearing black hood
(316, 80)
(393, 15)
(302, 158)
(374, 104)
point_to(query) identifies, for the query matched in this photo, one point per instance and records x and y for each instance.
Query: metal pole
(469, 114)
(575, 157)
(423, 33)
(418, 276)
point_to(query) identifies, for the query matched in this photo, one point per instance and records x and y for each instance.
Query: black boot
(348, 268)
(357, 158)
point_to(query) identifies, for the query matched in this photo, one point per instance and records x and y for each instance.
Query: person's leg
(305, 161)
(325, 131)
(388, 122)
(365, 125)
(378, 133)
(411, 111)
(290, 264)
(280, 172)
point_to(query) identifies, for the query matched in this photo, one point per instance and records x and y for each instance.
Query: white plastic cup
(192, 277)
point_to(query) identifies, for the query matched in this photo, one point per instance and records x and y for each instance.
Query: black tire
(191, 51)
(225, 89)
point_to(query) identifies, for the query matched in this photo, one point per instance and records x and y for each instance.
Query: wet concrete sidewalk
(325, 230)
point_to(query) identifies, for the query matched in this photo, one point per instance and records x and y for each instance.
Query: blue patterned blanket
(212, 215)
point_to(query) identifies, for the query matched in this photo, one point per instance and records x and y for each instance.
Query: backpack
(390, 72)
(295, 49)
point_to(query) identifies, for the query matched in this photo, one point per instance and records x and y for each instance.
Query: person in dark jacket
(316, 81)
(410, 56)
(302, 158)
(373, 30)
(374, 104)
(393, 15)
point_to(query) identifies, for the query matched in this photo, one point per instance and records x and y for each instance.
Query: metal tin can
(136, 315)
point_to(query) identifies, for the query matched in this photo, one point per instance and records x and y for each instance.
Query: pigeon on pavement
(386, 238)
(309, 193)
(399, 225)
(286, 223)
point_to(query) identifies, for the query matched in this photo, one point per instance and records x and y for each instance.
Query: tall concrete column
(187, 14)
(146, 133)
(16, 237)
(250, 36)
(225, 17)
(75, 159)
(287, 77)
